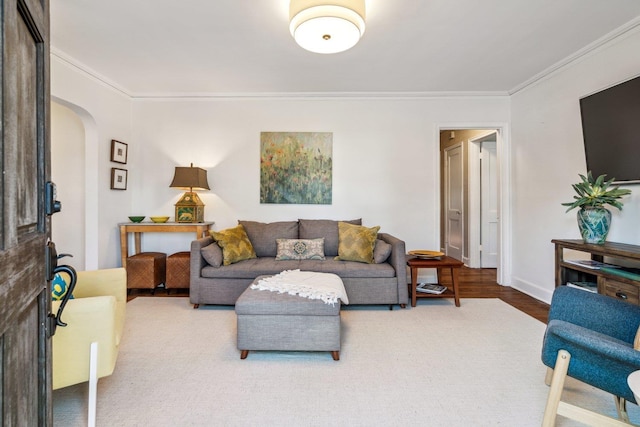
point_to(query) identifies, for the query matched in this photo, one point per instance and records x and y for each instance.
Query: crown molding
(627, 28)
(322, 95)
(94, 75)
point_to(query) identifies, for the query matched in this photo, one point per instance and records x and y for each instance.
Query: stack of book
(585, 286)
(590, 264)
(429, 288)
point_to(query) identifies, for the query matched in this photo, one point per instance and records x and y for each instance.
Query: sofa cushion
(251, 268)
(300, 249)
(212, 254)
(235, 244)
(327, 228)
(263, 235)
(381, 251)
(356, 242)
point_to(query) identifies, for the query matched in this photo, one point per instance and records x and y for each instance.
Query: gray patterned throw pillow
(299, 249)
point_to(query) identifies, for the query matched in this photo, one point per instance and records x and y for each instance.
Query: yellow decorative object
(421, 253)
(159, 218)
(235, 244)
(356, 243)
(190, 208)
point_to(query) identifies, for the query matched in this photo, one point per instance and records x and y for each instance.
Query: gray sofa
(377, 283)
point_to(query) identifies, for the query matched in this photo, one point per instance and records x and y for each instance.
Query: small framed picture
(118, 179)
(118, 152)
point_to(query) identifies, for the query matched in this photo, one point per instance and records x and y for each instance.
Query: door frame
(475, 198)
(503, 146)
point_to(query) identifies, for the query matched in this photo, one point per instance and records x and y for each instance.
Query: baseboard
(533, 290)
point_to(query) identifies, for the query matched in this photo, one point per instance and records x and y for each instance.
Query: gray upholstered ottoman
(274, 321)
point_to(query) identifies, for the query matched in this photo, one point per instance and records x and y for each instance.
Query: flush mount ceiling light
(328, 26)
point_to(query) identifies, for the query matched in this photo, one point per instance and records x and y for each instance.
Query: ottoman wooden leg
(335, 355)
(243, 354)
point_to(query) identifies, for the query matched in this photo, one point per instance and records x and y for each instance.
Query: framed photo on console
(119, 152)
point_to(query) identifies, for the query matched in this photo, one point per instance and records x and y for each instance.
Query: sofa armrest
(110, 281)
(197, 262)
(398, 260)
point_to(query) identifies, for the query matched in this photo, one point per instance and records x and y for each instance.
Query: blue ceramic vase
(594, 224)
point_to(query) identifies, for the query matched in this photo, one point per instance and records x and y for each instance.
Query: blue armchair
(590, 337)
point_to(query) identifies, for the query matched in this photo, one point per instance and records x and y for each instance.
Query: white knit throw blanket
(308, 284)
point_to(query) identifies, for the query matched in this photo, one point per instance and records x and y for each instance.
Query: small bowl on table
(159, 218)
(136, 218)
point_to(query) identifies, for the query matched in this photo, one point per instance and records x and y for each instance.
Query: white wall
(385, 158)
(106, 115)
(385, 154)
(548, 155)
(68, 172)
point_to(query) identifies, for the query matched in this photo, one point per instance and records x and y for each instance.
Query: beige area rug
(432, 365)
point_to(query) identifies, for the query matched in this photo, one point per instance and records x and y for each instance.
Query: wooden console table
(613, 285)
(439, 264)
(137, 228)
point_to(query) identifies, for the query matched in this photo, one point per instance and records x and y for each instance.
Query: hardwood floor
(474, 283)
(481, 283)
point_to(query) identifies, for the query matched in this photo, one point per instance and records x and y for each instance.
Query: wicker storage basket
(146, 270)
(178, 271)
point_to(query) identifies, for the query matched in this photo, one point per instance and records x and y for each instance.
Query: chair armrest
(94, 283)
(596, 359)
(88, 320)
(595, 342)
(596, 312)
(398, 260)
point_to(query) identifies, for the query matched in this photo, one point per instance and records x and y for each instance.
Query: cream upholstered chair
(94, 315)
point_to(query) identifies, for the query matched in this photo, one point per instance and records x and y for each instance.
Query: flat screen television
(611, 131)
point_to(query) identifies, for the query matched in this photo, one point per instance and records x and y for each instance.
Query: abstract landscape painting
(296, 167)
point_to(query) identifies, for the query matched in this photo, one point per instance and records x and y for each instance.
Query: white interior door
(454, 202)
(489, 205)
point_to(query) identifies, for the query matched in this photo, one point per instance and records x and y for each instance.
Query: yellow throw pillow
(356, 243)
(235, 244)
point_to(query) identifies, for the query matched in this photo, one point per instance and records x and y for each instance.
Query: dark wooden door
(25, 346)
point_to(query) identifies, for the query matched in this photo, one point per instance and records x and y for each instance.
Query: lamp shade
(327, 26)
(190, 178)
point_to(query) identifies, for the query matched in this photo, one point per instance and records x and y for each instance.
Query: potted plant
(594, 220)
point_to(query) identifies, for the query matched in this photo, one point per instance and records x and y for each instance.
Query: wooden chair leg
(548, 376)
(555, 407)
(621, 407)
(555, 392)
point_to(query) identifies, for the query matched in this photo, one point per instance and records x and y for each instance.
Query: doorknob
(51, 204)
(52, 267)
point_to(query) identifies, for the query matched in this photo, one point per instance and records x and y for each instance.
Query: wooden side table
(137, 228)
(439, 264)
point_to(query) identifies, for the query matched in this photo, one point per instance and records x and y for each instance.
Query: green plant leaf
(596, 193)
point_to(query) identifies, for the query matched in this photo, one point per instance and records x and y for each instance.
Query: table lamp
(190, 208)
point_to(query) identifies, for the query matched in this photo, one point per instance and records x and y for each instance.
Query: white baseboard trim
(532, 289)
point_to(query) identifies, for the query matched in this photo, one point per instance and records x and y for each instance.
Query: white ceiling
(243, 47)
